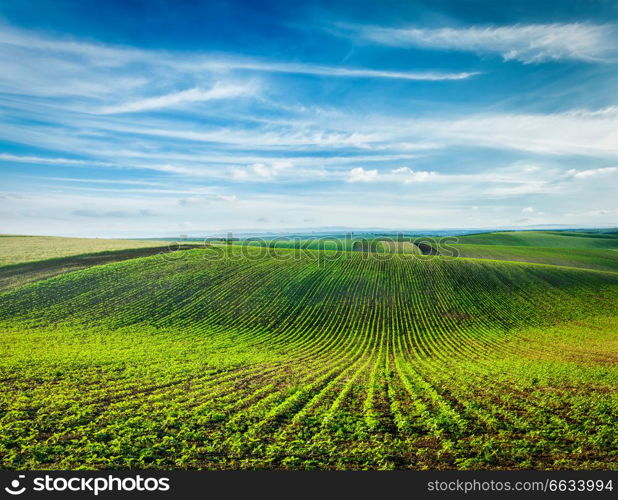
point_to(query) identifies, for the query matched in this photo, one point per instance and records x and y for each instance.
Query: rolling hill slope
(605, 260)
(15, 249)
(230, 362)
(553, 239)
(561, 248)
(16, 275)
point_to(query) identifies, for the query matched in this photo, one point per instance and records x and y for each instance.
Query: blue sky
(153, 118)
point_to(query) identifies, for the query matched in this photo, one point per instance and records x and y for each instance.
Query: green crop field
(605, 260)
(20, 249)
(63, 255)
(326, 243)
(561, 248)
(554, 239)
(228, 357)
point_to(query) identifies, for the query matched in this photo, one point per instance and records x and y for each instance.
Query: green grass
(564, 248)
(16, 275)
(307, 362)
(400, 247)
(554, 239)
(20, 249)
(360, 244)
(605, 260)
(331, 244)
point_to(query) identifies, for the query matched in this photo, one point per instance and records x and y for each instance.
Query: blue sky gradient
(154, 118)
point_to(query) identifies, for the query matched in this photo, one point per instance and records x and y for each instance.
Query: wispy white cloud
(207, 199)
(36, 64)
(85, 212)
(532, 43)
(603, 212)
(408, 176)
(120, 182)
(260, 171)
(98, 53)
(401, 175)
(186, 170)
(566, 133)
(329, 71)
(501, 182)
(41, 160)
(319, 135)
(521, 188)
(194, 95)
(33, 64)
(359, 174)
(592, 134)
(593, 172)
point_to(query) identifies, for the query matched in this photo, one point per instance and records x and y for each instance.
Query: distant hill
(547, 239)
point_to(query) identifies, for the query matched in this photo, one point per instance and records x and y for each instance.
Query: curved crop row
(358, 362)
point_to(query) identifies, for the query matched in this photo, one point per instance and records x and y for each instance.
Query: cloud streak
(6, 157)
(194, 95)
(593, 172)
(532, 43)
(333, 71)
(261, 171)
(34, 64)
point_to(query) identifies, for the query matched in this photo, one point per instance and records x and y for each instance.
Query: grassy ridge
(334, 243)
(361, 244)
(553, 239)
(572, 249)
(20, 249)
(404, 362)
(585, 258)
(16, 275)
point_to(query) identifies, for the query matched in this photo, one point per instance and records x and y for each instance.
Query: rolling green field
(551, 239)
(16, 249)
(605, 260)
(565, 248)
(548, 239)
(16, 275)
(560, 248)
(218, 360)
(332, 244)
